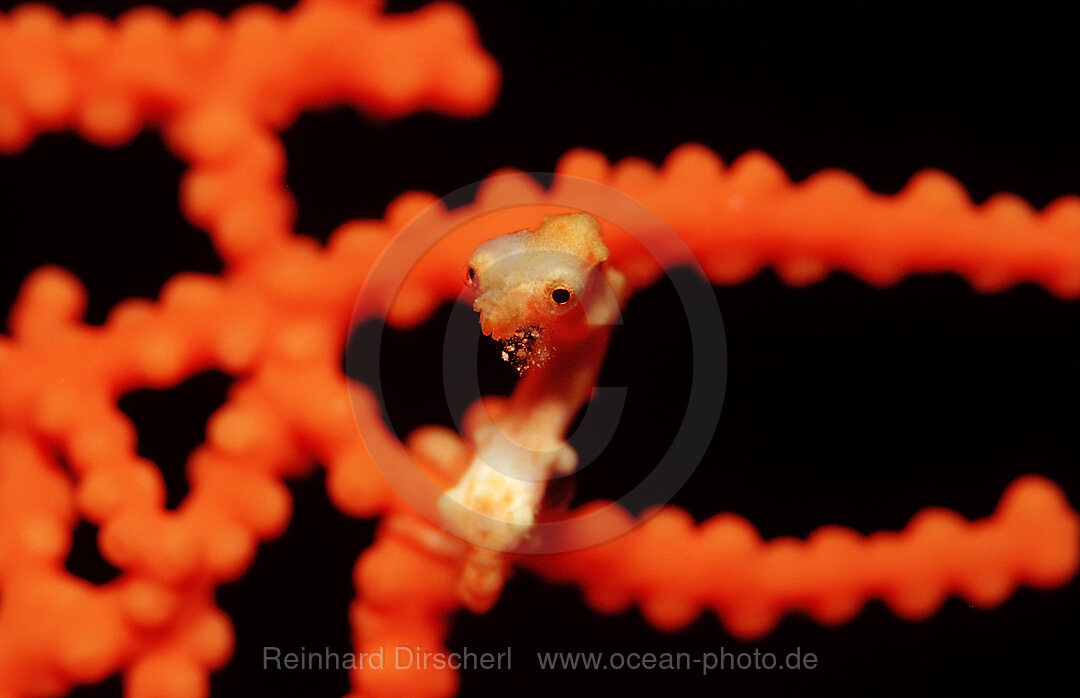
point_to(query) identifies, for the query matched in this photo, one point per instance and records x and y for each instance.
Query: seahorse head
(527, 280)
(530, 278)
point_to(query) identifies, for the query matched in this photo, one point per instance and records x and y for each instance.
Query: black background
(845, 404)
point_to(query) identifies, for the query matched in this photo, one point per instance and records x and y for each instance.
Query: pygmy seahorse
(550, 297)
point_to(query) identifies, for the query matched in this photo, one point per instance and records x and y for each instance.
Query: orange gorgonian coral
(279, 315)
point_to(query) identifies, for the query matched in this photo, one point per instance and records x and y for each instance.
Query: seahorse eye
(561, 296)
(470, 276)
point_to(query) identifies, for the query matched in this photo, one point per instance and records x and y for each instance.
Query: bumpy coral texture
(278, 317)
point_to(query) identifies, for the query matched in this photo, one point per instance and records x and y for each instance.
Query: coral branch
(674, 569)
(738, 219)
(405, 595)
(206, 78)
(219, 90)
